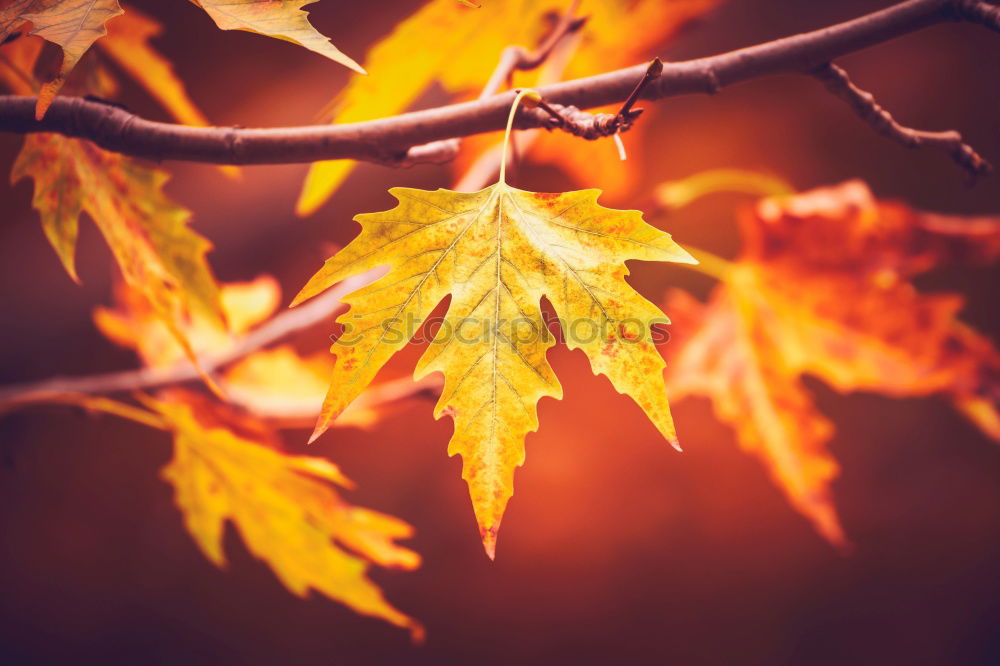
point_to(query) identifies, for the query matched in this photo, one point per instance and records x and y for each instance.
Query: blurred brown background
(614, 548)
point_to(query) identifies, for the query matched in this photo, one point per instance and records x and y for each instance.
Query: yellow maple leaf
(282, 19)
(72, 24)
(284, 507)
(497, 252)
(822, 288)
(147, 232)
(160, 257)
(466, 44)
(227, 467)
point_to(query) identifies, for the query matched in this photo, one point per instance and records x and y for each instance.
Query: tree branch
(839, 83)
(67, 390)
(387, 140)
(319, 309)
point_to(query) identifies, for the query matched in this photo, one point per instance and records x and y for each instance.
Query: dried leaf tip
(321, 427)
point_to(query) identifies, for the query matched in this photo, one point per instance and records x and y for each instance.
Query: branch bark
(839, 83)
(387, 140)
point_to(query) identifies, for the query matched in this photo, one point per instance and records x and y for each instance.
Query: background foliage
(615, 549)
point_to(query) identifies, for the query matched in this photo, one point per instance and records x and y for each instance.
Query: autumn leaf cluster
(822, 287)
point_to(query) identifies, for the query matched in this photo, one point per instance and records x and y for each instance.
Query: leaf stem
(521, 94)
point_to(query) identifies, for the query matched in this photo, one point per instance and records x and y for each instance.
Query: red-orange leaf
(823, 288)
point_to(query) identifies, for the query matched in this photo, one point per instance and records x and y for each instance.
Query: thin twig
(839, 83)
(385, 139)
(626, 114)
(320, 309)
(593, 126)
(570, 119)
(553, 113)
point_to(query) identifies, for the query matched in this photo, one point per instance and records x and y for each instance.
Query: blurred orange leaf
(135, 325)
(279, 384)
(822, 288)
